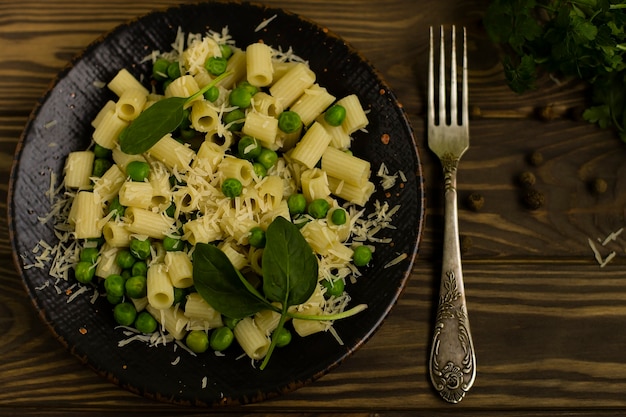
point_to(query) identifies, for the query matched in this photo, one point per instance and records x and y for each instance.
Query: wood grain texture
(547, 320)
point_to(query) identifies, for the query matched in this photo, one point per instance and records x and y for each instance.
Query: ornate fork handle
(452, 360)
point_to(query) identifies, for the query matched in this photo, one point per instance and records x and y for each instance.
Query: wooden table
(548, 321)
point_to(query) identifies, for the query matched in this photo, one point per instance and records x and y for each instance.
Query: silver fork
(452, 362)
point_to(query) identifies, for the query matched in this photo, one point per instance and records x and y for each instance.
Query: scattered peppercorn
(527, 179)
(599, 186)
(466, 243)
(535, 158)
(532, 198)
(475, 201)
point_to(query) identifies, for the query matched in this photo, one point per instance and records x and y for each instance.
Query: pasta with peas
(222, 176)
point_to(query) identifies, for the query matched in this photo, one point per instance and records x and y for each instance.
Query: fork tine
(464, 103)
(454, 121)
(442, 80)
(431, 82)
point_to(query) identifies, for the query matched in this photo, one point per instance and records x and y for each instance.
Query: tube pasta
(352, 193)
(136, 194)
(356, 118)
(171, 319)
(78, 168)
(259, 68)
(262, 127)
(179, 268)
(116, 234)
(87, 212)
(237, 67)
(204, 118)
(241, 169)
(159, 286)
(108, 185)
(270, 192)
(148, 223)
(312, 145)
(292, 84)
(238, 259)
(122, 159)
(107, 262)
(208, 157)
(130, 104)
(308, 327)
(265, 104)
(108, 106)
(314, 183)
(312, 103)
(267, 320)
(252, 340)
(201, 230)
(184, 86)
(123, 81)
(341, 165)
(172, 153)
(196, 309)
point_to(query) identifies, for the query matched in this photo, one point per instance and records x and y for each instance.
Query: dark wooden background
(548, 322)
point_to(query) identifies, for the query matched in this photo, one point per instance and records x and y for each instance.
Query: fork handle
(452, 362)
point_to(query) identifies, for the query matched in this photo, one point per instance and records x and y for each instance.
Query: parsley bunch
(584, 39)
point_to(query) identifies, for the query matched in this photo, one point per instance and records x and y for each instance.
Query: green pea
(234, 120)
(125, 259)
(100, 151)
(283, 337)
(335, 115)
(159, 69)
(173, 244)
(140, 249)
(126, 273)
(216, 65)
(84, 272)
(139, 268)
(138, 170)
(226, 50)
(257, 237)
(318, 208)
(296, 203)
(180, 296)
(115, 299)
(334, 288)
(125, 313)
(136, 286)
(145, 322)
(117, 207)
(221, 338)
(338, 216)
(197, 341)
(289, 121)
(231, 187)
(362, 255)
(173, 70)
(230, 322)
(100, 166)
(249, 148)
(249, 87)
(240, 97)
(259, 170)
(267, 158)
(89, 255)
(114, 285)
(212, 94)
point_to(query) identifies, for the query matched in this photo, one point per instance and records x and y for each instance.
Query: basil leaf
(289, 265)
(221, 285)
(152, 124)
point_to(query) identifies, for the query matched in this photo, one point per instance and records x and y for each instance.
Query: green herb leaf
(156, 121)
(222, 286)
(289, 265)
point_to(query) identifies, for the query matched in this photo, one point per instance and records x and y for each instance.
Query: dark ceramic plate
(61, 123)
